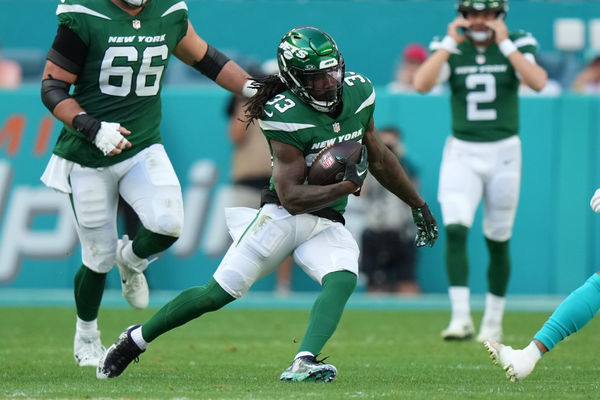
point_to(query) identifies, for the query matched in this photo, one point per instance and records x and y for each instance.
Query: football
(327, 167)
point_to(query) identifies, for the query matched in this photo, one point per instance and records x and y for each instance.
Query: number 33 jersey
(291, 121)
(122, 75)
(484, 89)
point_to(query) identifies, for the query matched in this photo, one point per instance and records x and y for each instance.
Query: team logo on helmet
(312, 67)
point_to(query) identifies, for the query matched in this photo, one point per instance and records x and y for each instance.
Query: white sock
(532, 352)
(494, 309)
(304, 353)
(459, 298)
(137, 337)
(86, 326)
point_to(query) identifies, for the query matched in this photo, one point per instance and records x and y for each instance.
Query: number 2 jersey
(484, 89)
(291, 121)
(122, 75)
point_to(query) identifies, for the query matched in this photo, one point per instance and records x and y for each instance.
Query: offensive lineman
(483, 65)
(308, 106)
(115, 52)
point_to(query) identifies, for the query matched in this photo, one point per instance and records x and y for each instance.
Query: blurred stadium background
(554, 243)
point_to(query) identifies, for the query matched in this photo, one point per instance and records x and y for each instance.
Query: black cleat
(119, 356)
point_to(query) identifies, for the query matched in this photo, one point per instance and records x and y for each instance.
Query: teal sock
(327, 310)
(147, 243)
(89, 287)
(189, 304)
(499, 268)
(457, 263)
(572, 314)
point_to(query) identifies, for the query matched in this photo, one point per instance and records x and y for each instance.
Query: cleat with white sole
(87, 348)
(459, 329)
(309, 369)
(517, 364)
(134, 286)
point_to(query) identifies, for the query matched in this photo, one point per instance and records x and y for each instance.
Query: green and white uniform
(483, 155)
(319, 245)
(122, 76)
(120, 81)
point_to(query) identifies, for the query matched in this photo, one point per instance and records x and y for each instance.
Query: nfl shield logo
(137, 24)
(327, 160)
(336, 127)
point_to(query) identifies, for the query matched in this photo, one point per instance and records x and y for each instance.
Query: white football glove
(108, 137)
(595, 202)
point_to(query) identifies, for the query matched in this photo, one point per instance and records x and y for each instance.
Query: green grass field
(239, 354)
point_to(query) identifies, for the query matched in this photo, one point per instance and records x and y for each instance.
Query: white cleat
(87, 348)
(516, 363)
(134, 286)
(459, 329)
(490, 333)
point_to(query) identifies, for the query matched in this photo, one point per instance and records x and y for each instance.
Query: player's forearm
(532, 74)
(232, 77)
(300, 199)
(392, 176)
(427, 75)
(66, 110)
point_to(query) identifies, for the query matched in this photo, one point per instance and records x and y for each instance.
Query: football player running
(570, 316)
(483, 64)
(115, 53)
(311, 104)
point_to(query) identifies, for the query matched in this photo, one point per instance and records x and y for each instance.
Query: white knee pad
(166, 217)
(457, 209)
(100, 257)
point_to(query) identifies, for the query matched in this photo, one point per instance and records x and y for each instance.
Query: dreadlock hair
(267, 87)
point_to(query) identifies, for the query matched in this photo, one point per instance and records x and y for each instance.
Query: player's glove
(427, 229)
(108, 137)
(595, 202)
(357, 172)
(105, 135)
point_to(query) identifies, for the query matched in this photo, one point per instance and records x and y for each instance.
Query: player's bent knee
(100, 263)
(498, 234)
(169, 225)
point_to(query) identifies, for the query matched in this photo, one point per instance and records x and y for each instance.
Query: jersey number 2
(143, 85)
(487, 95)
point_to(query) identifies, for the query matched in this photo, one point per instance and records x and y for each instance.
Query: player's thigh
(95, 198)
(333, 249)
(152, 189)
(268, 239)
(502, 194)
(460, 186)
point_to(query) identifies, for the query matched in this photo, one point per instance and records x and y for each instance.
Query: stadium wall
(371, 33)
(555, 236)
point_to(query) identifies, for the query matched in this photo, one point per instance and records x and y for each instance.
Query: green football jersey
(291, 121)
(123, 71)
(484, 90)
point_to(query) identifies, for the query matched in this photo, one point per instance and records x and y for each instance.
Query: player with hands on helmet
(311, 104)
(483, 64)
(111, 144)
